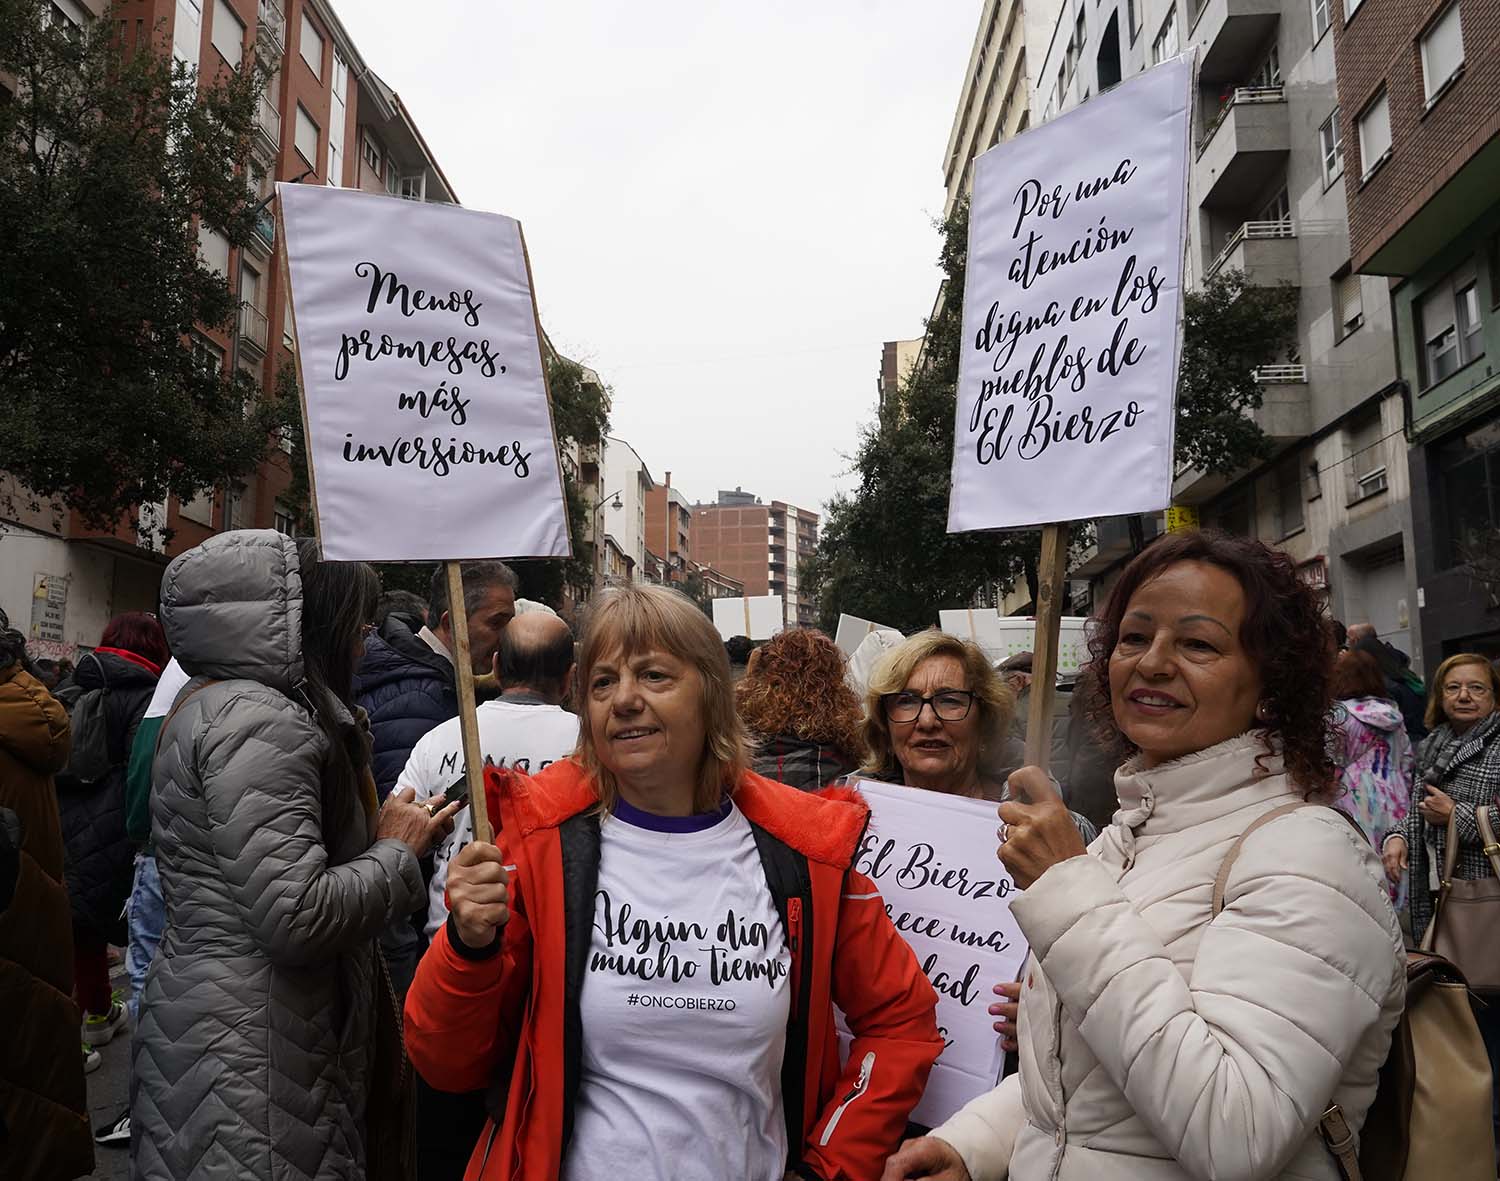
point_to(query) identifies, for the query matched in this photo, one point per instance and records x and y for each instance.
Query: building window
(1166, 43)
(1469, 468)
(213, 248)
(1366, 460)
(1319, 18)
(1277, 209)
(283, 521)
(1374, 135)
(1081, 33)
(311, 46)
(228, 34)
(1442, 51)
(371, 155)
(1288, 498)
(208, 358)
(1350, 8)
(1348, 304)
(307, 137)
(1269, 73)
(1451, 327)
(1132, 19)
(1331, 140)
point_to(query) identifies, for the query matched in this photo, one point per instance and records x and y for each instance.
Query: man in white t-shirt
(526, 728)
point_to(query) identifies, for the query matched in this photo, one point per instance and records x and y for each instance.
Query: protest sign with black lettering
(932, 856)
(428, 425)
(1072, 312)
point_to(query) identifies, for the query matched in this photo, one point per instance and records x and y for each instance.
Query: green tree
(109, 162)
(885, 552)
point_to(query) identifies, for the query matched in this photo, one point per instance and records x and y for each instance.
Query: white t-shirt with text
(523, 735)
(684, 1007)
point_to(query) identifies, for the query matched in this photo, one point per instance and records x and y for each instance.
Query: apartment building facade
(325, 118)
(764, 547)
(669, 520)
(622, 505)
(1267, 198)
(1419, 95)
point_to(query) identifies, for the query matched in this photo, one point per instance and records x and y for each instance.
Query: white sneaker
(91, 1059)
(100, 1029)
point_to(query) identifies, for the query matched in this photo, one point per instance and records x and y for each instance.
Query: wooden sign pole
(1049, 593)
(468, 720)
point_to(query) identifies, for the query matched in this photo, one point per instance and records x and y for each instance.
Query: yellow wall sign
(1181, 517)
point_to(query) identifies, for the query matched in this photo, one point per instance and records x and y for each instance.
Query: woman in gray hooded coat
(261, 1017)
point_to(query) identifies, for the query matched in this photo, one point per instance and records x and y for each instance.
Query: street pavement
(109, 1092)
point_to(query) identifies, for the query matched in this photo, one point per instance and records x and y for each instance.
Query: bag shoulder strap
(1338, 1137)
(182, 699)
(1487, 831)
(1221, 879)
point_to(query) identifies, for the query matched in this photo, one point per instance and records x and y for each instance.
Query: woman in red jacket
(643, 973)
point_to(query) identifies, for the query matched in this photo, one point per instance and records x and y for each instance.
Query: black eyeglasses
(950, 705)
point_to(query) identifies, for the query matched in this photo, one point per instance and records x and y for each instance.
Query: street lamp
(614, 502)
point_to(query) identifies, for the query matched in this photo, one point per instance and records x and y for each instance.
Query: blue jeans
(146, 915)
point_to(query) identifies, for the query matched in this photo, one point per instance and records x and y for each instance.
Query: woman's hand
(478, 893)
(402, 820)
(1038, 833)
(1394, 856)
(928, 1158)
(1009, 1012)
(1437, 807)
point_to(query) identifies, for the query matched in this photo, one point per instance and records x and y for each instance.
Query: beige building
(1002, 77)
(897, 357)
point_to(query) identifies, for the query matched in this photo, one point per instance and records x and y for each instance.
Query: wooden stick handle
(1049, 592)
(468, 720)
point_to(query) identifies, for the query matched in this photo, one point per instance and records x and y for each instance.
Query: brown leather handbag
(1465, 927)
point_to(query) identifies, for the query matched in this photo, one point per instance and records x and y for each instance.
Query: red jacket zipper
(794, 945)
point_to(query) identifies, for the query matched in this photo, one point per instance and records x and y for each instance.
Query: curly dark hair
(1285, 633)
(795, 685)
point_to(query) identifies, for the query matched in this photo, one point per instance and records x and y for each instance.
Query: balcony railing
(268, 126)
(254, 327)
(273, 23)
(1282, 228)
(1240, 96)
(1281, 375)
(263, 235)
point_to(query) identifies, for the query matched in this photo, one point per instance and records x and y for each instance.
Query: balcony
(267, 138)
(254, 328)
(1266, 251)
(1233, 34)
(263, 234)
(1244, 146)
(1112, 544)
(1285, 415)
(271, 31)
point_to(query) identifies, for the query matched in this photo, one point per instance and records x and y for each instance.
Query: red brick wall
(1381, 45)
(735, 540)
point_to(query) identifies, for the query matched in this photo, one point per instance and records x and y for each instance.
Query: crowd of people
(665, 963)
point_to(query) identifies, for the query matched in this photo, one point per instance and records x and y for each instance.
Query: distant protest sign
(1072, 312)
(758, 617)
(1003, 636)
(428, 426)
(852, 630)
(932, 856)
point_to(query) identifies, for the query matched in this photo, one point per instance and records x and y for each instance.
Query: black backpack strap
(791, 890)
(580, 865)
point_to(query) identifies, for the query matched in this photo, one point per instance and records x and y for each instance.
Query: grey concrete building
(1266, 197)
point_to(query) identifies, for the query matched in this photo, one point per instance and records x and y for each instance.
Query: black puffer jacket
(100, 856)
(406, 689)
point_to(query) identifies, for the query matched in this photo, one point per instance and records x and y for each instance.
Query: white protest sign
(757, 618)
(1072, 312)
(1002, 636)
(933, 858)
(428, 426)
(852, 631)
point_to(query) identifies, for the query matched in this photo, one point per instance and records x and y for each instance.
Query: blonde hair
(995, 699)
(1435, 717)
(635, 619)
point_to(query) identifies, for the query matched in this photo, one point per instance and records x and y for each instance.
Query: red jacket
(509, 1021)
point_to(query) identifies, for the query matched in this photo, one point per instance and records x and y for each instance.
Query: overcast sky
(728, 206)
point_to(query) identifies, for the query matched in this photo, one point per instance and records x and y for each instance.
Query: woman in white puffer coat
(1160, 1040)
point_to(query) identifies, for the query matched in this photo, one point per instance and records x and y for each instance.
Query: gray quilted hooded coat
(255, 1037)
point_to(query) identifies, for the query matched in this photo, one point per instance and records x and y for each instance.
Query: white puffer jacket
(1157, 1045)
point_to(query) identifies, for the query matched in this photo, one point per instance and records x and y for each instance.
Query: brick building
(325, 118)
(761, 546)
(1419, 94)
(669, 519)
